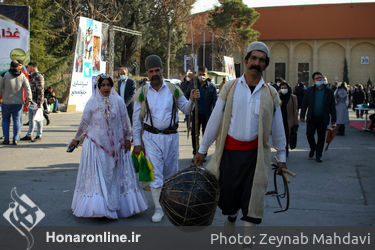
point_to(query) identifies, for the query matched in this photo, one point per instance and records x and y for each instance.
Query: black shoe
(311, 154)
(26, 138)
(317, 159)
(15, 143)
(26, 124)
(48, 122)
(6, 142)
(37, 138)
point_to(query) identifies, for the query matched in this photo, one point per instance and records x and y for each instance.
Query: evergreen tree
(232, 22)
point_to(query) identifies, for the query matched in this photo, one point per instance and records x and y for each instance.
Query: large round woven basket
(189, 198)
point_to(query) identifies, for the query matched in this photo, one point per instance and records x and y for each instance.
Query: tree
(173, 14)
(232, 22)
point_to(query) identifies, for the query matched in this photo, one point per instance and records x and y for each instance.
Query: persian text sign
(89, 60)
(14, 35)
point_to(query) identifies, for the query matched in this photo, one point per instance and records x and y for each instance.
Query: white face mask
(188, 79)
(123, 77)
(202, 78)
(284, 91)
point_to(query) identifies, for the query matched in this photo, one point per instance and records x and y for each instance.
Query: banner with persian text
(89, 61)
(14, 35)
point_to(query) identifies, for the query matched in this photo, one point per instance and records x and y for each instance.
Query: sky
(203, 5)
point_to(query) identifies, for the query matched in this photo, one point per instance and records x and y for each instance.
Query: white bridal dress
(106, 183)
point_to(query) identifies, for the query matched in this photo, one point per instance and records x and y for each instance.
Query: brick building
(307, 38)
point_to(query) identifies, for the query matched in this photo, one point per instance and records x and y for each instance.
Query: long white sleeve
(137, 125)
(278, 135)
(184, 105)
(212, 127)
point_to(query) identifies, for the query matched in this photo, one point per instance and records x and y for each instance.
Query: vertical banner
(190, 64)
(229, 67)
(89, 61)
(14, 35)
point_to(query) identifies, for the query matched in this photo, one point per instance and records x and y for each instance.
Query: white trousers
(162, 150)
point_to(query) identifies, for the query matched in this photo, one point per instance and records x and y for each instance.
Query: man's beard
(15, 72)
(155, 80)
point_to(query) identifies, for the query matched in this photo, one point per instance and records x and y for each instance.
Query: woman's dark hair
(104, 77)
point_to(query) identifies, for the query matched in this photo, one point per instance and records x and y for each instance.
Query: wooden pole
(196, 124)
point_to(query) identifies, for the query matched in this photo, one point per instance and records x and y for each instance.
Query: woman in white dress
(106, 183)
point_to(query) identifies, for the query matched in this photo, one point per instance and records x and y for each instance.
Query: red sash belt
(233, 144)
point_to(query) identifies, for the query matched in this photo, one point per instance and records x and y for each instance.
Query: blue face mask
(123, 77)
(318, 83)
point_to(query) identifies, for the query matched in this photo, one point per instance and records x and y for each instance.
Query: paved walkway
(337, 192)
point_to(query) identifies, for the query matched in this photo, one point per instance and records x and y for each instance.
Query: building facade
(308, 38)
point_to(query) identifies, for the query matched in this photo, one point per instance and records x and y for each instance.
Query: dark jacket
(208, 96)
(299, 91)
(129, 93)
(328, 105)
(358, 96)
(184, 87)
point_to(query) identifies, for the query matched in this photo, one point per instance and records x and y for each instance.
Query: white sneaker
(158, 215)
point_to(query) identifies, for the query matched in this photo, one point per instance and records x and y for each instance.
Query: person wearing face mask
(289, 111)
(186, 82)
(319, 102)
(126, 89)
(276, 85)
(184, 87)
(206, 103)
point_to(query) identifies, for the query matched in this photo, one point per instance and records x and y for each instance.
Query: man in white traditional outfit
(155, 123)
(246, 113)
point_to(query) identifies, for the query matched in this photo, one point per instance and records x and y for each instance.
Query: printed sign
(89, 60)
(14, 35)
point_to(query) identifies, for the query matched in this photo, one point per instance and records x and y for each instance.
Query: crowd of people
(243, 116)
(240, 118)
(22, 90)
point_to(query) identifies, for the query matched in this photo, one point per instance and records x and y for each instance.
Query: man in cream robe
(246, 114)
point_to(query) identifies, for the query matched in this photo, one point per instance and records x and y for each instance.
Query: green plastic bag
(144, 167)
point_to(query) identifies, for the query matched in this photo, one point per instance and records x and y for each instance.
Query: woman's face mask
(284, 91)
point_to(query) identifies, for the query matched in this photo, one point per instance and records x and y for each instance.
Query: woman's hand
(74, 143)
(128, 145)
